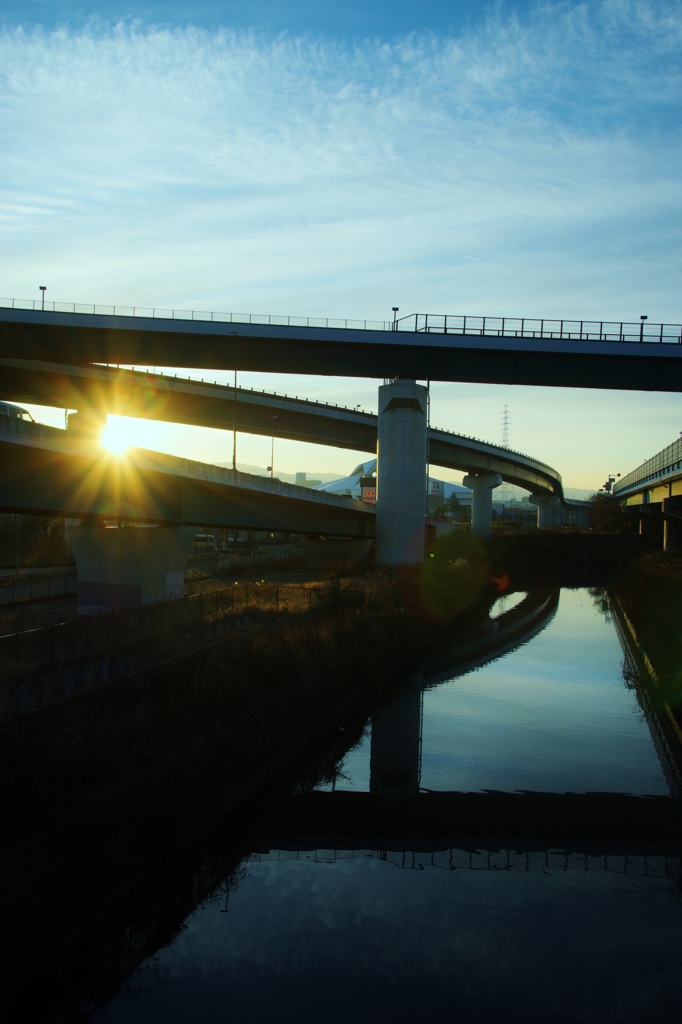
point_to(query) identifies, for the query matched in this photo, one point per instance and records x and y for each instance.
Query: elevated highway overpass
(206, 404)
(46, 471)
(155, 502)
(493, 350)
(414, 348)
(653, 493)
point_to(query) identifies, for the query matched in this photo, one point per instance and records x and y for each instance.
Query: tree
(607, 515)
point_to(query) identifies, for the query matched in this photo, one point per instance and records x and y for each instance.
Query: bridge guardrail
(415, 323)
(33, 586)
(525, 327)
(156, 313)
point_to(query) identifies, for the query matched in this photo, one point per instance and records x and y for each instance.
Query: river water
(430, 877)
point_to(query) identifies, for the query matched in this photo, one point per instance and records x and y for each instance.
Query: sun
(118, 435)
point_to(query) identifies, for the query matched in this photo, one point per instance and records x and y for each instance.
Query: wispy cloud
(531, 165)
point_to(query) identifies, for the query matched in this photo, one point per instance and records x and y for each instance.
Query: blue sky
(339, 159)
(340, 19)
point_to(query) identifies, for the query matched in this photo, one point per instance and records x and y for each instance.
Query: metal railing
(34, 586)
(199, 315)
(149, 631)
(558, 859)
(522, 327)
(665, 461)
(420, 323)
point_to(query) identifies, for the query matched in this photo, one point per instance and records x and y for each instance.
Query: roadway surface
(474, 356)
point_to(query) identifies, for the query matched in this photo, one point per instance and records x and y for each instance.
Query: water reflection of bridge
(660, 717)
(586, 826)
(602, 831)
(632, 865)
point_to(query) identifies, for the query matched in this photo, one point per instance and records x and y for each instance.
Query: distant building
(302, 481)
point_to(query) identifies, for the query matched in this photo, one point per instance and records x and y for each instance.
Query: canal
(486, 847)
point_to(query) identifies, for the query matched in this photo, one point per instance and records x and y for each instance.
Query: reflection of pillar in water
(395, 750)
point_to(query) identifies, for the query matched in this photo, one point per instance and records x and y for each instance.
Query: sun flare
(118, 435)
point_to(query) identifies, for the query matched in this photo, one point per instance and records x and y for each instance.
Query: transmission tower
(506, 417)
(505, 492)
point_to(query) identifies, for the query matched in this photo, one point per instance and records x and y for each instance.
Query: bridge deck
(203, 403)
(47, 472)
(301, 345)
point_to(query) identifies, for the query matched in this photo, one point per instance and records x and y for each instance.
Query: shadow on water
(396, 821)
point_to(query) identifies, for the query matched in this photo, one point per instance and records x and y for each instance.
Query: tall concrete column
(549, 510)
(394, 751)
(482, 501)
(668, 537)
(401, 473)
(129, 566)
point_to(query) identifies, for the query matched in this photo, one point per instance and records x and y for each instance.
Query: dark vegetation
(607, 515)
(41, 541)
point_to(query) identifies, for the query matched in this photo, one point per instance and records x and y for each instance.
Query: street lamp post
(234, 426)
(42, 289)
(395, 309)
(271, 467)
(641, 327)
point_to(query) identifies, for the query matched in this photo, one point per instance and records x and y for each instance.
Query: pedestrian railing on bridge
(419, 323)
(521, 327)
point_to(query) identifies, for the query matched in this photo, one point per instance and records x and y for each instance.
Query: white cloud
(529, 167)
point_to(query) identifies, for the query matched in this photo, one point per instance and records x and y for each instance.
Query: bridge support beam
(394, 751)
(482, 501)
(129, 566)
(401, 473)
(550, 512)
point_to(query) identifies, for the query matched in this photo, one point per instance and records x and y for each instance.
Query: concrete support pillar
(394, 751)
(129, 566)
(482, 501)
(668, 537)
(401, 473)
(549, 510)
